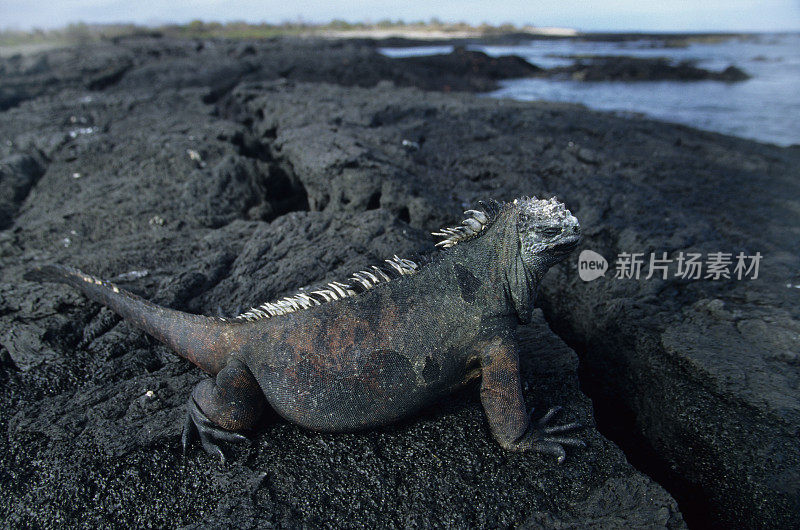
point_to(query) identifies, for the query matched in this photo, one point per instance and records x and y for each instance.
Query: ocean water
(764, 108)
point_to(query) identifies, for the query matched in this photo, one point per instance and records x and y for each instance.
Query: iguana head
(547, 232)
(529, 235)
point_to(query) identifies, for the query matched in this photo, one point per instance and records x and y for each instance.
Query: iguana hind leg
(231, 402)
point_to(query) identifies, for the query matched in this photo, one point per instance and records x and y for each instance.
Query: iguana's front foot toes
(197, 425)
(540, 435)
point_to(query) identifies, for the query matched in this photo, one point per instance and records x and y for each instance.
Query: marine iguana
(374, 349)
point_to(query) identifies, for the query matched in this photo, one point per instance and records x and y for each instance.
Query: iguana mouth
(567, 246)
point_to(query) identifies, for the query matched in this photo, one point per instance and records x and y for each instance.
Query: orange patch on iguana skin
(300, 339)
(346, 334)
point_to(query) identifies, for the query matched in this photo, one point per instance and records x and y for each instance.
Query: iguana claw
(538, 435)
(198, 425)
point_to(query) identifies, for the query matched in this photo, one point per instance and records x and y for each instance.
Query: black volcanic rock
(691, 376)
(732, 74)
(213, 174)
(479, 69)
(202, 204)
(18, 174)
(620, 68)
(155, 63)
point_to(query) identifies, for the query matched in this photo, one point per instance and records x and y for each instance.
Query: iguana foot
(539, 435)
(198, 425)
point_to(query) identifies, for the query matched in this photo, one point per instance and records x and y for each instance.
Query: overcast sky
(620, 15)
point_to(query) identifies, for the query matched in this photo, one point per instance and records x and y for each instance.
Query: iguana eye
(550, 231)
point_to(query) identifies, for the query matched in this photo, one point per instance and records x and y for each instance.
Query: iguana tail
(205, 341)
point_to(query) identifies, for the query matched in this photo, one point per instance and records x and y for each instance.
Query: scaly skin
(369, 359)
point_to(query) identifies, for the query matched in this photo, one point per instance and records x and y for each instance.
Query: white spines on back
(358, 282)
(474, 224)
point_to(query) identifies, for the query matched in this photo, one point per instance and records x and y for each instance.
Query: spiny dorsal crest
(551, 208)
(479, 220)
(476, 222)
(358, 283)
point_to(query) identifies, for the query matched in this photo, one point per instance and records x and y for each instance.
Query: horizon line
(506, 27)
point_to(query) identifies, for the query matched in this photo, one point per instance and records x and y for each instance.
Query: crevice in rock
(374, 201)
(617, 422)
(283, 191)
(218, 91)
(9, 98)
(404, 215)
(101, 323)
(278, 189)
(19, 173)
(224, 87)
(110, 76)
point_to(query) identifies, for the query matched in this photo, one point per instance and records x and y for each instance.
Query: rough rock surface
(699, 379)
(479, 70)
(218, 65)
(178, 198)
(204, 184)
(621, 68)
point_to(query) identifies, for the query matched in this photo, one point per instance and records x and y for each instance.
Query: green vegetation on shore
(81, 33)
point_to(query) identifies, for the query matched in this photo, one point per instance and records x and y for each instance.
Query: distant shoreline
(385, 33)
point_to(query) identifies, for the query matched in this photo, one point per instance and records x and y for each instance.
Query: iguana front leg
(231, 402)
(501, 396)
